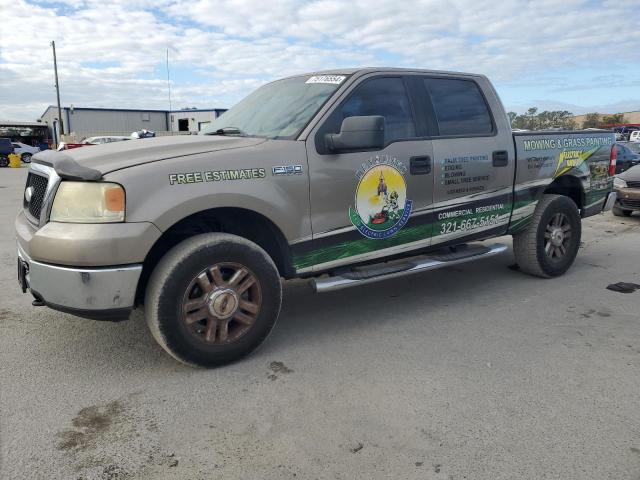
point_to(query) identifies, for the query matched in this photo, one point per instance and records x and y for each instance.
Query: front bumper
(106, 293)
(628, 198)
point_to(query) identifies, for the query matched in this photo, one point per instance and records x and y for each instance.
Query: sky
(576, 55)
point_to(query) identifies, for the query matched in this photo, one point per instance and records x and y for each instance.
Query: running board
(406, 266)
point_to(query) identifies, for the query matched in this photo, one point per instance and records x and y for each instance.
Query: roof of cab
(366, 70)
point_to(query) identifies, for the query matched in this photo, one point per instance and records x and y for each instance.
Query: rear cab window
(459, 107)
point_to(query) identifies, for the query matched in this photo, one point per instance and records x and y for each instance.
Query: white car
(104, 139)
(635, 136)
(25, 151)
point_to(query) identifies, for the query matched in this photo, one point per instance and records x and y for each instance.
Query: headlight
(619, 183)
(88, 202)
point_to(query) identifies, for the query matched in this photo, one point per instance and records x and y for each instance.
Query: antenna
(55, 69)
(169, 89)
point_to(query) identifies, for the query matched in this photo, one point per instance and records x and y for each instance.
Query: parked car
(104, 139)
(627, 158)
(633, 146)
(6, 149)
(627, 186)
(69, 146)
(345, 178)
(25, 151)
(634, 136)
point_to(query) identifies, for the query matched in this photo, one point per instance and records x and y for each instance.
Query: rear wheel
(621, 212)
(548, 247)
(213, 299)
(26, 157)
(4, 161)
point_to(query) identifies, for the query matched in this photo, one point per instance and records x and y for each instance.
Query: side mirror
(357, 133)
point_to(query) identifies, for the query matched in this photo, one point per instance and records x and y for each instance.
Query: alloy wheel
(557, 237)
(222, 303)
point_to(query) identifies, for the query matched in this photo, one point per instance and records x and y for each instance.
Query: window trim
(429, 99)
(353, 88)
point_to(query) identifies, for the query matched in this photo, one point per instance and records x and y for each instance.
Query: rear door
(474, 159)
(368, 204)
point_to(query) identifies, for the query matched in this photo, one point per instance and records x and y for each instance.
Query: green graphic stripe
(363, 245)
(407, 235)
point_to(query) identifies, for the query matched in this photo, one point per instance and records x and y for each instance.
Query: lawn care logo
(381, 206)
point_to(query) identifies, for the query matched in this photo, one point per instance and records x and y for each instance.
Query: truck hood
(94, 161)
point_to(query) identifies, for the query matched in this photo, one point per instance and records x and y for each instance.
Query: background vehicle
(69, 146)
(627, 157)
(627, 186)
(344, 177)
(25, 151)
(104, 139)
(6, 149)
(634, 136)
(143, 134)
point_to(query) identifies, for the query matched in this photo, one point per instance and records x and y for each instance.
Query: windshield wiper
(228, 131)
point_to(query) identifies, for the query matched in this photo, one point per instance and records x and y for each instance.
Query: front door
(368, 204)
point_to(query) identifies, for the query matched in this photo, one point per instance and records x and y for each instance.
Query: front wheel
(26, 157)
(213, 299)
(4, 161)
(549, 245)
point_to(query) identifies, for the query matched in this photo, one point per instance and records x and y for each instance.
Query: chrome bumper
(611, 200)
(87, 292)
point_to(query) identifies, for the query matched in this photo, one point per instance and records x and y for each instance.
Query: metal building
(194, 119)
(82, 122)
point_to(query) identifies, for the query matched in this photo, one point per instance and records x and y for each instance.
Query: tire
(26, 157)
(4, 161)
(172, 295)
(620, 212)
(541, 256)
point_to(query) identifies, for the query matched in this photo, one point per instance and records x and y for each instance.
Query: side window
(386, 97)
(459, 106)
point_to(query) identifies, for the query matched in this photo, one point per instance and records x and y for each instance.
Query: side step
(406, 266)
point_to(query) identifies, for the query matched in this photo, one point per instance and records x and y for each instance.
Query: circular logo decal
(381, 205)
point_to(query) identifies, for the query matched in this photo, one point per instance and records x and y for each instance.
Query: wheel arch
(238, 221)
(568, 186)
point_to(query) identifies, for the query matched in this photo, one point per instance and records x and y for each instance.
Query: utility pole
(55, 69)
(169, 88)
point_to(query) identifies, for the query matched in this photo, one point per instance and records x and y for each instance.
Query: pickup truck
(343, 177)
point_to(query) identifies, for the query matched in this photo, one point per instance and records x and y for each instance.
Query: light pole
(55, 69)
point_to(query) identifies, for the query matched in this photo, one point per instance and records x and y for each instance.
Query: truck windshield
(279, 109)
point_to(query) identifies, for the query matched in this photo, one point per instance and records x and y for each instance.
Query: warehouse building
(193, 119)
(82, 122)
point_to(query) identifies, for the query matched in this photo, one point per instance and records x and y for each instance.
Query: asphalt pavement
(472, 372)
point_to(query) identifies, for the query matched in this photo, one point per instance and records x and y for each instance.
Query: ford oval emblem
(28, 193)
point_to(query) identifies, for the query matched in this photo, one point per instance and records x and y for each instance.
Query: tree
(591, 120)
(613, 119)
(532, 120)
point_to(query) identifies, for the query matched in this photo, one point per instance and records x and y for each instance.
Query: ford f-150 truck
(343, 177)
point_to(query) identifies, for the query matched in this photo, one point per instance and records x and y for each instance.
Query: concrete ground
(471, 372)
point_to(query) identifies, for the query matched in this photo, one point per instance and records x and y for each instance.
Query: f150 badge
(381, 204)
(287, 170)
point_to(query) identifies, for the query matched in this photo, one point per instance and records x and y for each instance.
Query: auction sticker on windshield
(330, 79)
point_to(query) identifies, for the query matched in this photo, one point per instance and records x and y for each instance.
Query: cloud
(112, 53)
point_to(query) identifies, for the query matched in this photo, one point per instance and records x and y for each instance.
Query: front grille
(39, 184)
(633, 184)
(626, 203)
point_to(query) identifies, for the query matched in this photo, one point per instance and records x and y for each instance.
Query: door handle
(420, 165)
(500, 158)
